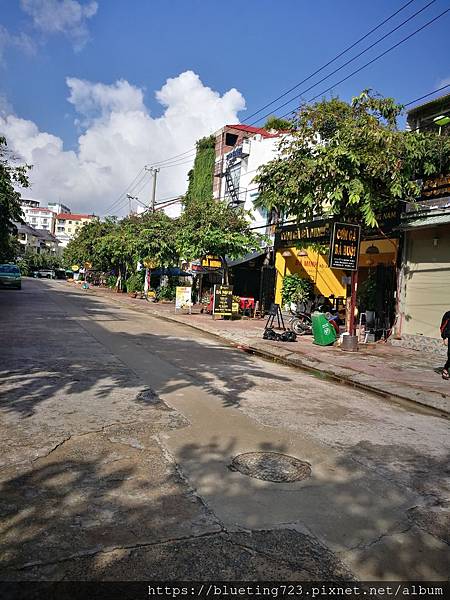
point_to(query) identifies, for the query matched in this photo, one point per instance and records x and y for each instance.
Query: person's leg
(445, 372)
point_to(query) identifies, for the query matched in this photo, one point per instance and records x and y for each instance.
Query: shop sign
(437, 187)
(344, 246)
(315, 232)
(387, 221)
(234, 154)
(183, 297)
(223, 300)
(210, 262)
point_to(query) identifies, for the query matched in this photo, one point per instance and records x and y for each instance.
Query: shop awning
(246, 258)
(171, 271)
(426, 221)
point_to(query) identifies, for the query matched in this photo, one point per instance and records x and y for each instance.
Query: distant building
(39, 241)
(67, 225)
(58, 208)
(40, 218)
(26, 206)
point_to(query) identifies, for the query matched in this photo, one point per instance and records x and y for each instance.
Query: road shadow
(101, 510)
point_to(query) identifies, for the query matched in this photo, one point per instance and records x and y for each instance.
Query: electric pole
(130, 198)
(154, 173)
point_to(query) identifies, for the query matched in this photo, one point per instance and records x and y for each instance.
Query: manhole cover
(271, 466)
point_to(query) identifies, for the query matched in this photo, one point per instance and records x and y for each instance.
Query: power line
(324, 66)
(427, 95)
(297, 85)
(355, 58)
(326, 77)
(427, 24)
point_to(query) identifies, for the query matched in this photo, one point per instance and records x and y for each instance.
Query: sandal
(445, 374)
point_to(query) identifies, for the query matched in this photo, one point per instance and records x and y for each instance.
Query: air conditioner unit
(245, 147)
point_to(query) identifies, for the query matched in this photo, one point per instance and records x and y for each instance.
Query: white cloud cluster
(68, 17)
(119, 137)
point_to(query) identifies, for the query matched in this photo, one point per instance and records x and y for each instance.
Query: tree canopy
(351, 160)
(277, 123)
(119, 245)
(210, 226)
(10, 210)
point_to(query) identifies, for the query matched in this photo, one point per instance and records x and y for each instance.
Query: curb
(437, 406)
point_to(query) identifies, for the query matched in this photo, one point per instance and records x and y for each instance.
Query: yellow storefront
(293, 255)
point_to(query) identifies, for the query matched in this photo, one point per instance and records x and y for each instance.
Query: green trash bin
(323, 331)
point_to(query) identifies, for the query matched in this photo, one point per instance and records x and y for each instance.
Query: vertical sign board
(223, 300)
(344, 246)
(183, 297)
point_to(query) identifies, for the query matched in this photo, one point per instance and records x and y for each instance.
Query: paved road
(117, 433)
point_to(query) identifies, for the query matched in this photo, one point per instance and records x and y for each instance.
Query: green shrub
(135, 283)
(295, 289)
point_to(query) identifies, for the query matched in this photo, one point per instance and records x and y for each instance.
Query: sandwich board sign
(183, 297)
(223, 300)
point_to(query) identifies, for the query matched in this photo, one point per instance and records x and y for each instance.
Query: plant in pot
(295, 290)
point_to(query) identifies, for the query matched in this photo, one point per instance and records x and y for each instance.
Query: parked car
(10, 276)
(44, 274)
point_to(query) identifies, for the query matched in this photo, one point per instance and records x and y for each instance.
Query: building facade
(239, 152)
(67, 226)
(41, 218)
(424, 286)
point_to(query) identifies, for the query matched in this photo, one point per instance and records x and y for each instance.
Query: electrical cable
(335, 84)
(339, 56)
(324, 66)
(402, 41)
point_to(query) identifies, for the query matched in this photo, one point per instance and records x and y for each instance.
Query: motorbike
(301, 322)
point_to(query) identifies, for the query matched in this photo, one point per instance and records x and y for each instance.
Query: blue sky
(259, 47)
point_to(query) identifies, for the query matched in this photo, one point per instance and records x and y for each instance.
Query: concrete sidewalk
(386, 370)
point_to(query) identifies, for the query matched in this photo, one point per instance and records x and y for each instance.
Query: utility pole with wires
(154, 172)
(130, 198)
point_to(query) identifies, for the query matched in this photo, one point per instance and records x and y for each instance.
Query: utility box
(323, 331)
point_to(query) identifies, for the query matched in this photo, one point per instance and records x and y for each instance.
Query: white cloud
(119, 137)
(92, 100)
(68, 17)
(21, 41)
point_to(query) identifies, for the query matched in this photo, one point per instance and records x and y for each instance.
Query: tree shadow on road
(113, 507)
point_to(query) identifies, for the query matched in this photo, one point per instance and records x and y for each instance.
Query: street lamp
(442, 120)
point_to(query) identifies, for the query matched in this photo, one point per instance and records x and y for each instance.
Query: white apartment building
(58, 208)
(40, 218)
(237, 165)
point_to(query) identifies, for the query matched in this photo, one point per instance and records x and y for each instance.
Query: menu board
(223, 300)
(183, 297)
(344, 246)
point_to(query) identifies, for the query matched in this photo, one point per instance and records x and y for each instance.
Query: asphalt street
(118, 431)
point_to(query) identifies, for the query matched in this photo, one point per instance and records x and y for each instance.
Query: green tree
(210, 226)
(157, 239)
(30, 261)
(349, 160)
(84, 247)
(10, 177)
(119, 245)
(274, 122)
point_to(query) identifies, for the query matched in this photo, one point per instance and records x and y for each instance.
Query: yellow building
(378, 255)
(67, 225)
